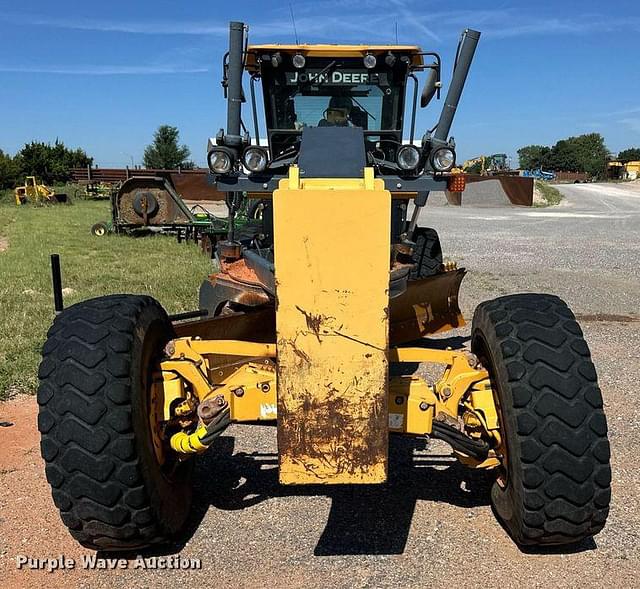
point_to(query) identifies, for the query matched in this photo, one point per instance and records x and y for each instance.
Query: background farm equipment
(539, 174)
(145, 204)
(190, 184)
(98, 190)
(35, 193)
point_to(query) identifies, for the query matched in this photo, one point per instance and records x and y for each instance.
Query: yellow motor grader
(304, 318)
(36, 193)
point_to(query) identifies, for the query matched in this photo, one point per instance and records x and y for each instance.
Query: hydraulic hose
(477, 449)
(215, 416)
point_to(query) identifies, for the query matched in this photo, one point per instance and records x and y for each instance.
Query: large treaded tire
(94, 419)
(427, 255)
(556, 488)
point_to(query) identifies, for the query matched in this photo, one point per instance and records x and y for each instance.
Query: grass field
(91, 266)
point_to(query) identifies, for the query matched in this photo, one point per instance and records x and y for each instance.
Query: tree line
(49, 163)
(52, 164)
(584, 153)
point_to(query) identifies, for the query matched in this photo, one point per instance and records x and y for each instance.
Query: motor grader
(305, 318)
(34, 192)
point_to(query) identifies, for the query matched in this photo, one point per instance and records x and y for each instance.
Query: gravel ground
(431, 525)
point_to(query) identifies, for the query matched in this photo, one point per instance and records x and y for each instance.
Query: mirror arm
(256, 129)
(413, 110)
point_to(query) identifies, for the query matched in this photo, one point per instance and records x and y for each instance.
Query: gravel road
(431, 525)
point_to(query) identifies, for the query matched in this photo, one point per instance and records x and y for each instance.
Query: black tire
(99, 229)
(96, 441)
(427, 254)
(555, 489)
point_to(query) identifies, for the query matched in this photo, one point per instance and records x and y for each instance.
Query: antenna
(293, 20)
(396, 23)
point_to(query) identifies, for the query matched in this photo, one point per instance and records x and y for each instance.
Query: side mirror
(430, 87)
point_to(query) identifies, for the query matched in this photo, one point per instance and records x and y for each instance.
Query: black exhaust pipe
(464, 57)
(234, 84)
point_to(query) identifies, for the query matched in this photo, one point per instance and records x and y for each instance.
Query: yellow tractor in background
(35, 193)
(303, 319)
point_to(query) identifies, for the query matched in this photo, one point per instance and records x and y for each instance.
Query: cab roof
(330, 50)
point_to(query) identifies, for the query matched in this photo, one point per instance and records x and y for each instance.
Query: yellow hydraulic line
(189, 443)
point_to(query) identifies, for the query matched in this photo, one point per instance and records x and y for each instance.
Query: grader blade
(332, 329)
(427, 306)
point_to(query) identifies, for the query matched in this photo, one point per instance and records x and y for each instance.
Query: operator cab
(333, 86)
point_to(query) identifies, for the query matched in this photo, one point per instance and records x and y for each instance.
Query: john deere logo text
(337, 78)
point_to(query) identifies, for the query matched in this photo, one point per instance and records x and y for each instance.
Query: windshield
(317, 98)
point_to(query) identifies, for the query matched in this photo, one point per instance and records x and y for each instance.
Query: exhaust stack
(466, 50)
(234, 83)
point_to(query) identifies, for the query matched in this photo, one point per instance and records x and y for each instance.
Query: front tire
(427, 255)
(112, 491)
(554, 487)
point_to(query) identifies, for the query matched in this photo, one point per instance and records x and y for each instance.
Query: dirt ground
(28, 518)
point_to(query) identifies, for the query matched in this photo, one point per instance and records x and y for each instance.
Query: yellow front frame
(325, 380)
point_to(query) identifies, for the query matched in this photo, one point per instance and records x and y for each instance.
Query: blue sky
(103, 76)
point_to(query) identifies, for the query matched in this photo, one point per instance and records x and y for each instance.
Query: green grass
(551, 195)
(91, 267)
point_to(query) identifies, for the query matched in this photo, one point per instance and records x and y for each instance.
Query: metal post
(56, 279)
(464, 58)
(418, 204)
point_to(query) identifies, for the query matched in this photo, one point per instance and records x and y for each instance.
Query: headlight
(220, 160)
(299, 60)
(369, 61)
(255, 159)
(443, 159)
(408, 157)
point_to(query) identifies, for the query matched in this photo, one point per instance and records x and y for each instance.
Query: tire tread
(87, 438)
(558, 447)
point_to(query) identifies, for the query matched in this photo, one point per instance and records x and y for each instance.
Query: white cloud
(143, 27)
(348, 19)
(633, 124)
(103, 70)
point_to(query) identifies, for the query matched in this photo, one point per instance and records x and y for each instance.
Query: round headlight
(220, 161)
(299, 60)
(408, 157)
(443, 159)
(369, 61)
(255, 159)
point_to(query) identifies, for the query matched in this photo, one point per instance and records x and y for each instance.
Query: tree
(563, 156)
(585, 153)
(592, 154)
(9, 170)
(534, 157)
(165, 153)
(50, 163)
(629, 155)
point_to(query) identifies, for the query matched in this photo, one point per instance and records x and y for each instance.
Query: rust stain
(313, 321)
(347, 446)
